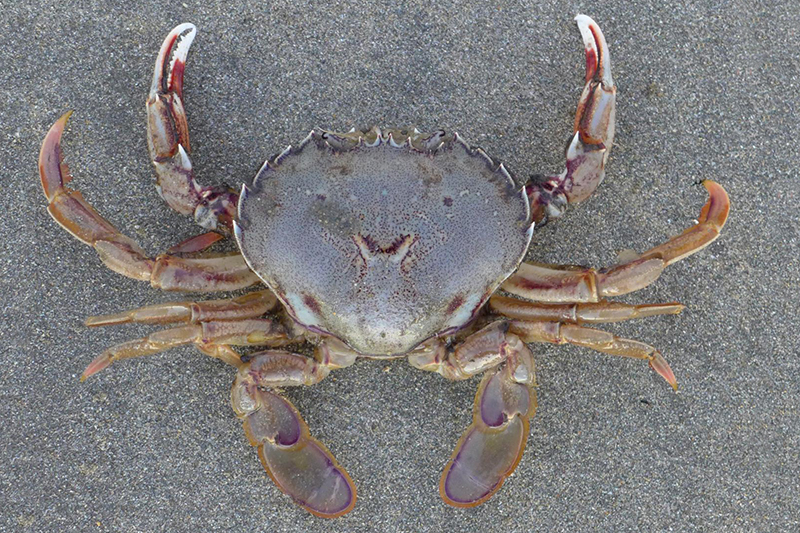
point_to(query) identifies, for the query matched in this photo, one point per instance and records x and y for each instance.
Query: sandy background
(707, 89)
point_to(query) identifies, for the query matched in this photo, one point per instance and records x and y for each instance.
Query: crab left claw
(168, 139)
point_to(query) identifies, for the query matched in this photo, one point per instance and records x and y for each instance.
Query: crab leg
(579, 313)
(168, 140)
(601, 341)
(249, 332)
(300, 465)
(484, 349)
(119, 252)
(250, 305)
(588, 151)
(546, 283)
(490, 449)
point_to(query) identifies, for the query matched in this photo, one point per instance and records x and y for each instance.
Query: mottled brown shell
(383, 239)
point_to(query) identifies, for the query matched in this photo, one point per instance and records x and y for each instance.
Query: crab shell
(383, 239)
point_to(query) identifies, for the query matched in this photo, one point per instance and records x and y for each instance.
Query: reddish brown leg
(602, 341)
(579, 313)
(300, 465)
(119, 252)
(490, 449)
(594, 134)
(250, 305)
(548, 283)
(168, 140)
(247, 332)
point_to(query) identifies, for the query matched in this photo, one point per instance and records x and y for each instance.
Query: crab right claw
(300, 465)
(591, 143)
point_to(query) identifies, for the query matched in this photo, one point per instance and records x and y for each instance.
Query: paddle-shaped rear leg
(492, 446)
(300, 465)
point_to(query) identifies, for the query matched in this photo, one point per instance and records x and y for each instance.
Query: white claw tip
(595, 42)
(186, 163)
(181, 50)
(180, 28)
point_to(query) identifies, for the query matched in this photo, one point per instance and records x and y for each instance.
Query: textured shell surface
(383, 238)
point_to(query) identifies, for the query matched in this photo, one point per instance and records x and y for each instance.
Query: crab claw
(598, 60)
(169, 77)
(593, 133)
(594, 121)
(492, 446)
(299, 464)
(168, 139)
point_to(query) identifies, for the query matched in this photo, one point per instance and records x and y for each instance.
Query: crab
(380, 244)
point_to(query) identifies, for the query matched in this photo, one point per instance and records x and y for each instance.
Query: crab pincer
(591, 143)
(168, 139)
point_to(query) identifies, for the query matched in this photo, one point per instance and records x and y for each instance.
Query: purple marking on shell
(311, 303)
(455, 303)
(360, 225)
